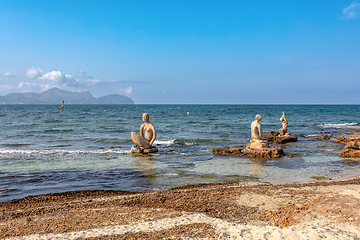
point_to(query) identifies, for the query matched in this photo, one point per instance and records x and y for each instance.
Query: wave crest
(62, 152)
(337, 125)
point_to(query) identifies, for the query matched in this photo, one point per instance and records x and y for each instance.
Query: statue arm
(153, 135)
(142, 130)
(260, 131)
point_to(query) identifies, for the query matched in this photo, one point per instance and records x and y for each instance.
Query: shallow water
(44, 148)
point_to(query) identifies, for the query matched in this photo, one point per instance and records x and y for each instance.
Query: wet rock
(273, 133)
(144, 151)
(325, 137)
(352, 149)
(346, 139)
(275, 138)
(242, 151)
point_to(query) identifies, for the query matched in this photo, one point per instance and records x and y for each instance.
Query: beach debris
(321, 178)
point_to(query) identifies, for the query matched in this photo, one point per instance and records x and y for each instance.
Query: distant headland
(55, 96)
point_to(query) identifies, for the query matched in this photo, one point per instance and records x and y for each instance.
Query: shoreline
(224, 210)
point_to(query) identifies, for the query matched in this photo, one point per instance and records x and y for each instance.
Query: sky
(184, 51)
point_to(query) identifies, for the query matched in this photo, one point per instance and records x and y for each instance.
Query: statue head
(145, 117)
(258, 117)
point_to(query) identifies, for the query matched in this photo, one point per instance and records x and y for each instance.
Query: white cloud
(34, 72)
(351, 11)
(59, 79)
(128, 90)
(9, 74)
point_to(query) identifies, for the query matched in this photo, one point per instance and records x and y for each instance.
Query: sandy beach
(316, 210)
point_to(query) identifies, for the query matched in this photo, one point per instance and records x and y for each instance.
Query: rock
(140, 151)
(273, 133)
(352, 149)
(350, 153)
(346, 139)
(275, 138)
(242, 151)
(325, 137)
(352, 144)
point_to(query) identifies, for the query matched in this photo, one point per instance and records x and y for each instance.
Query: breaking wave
(62, 152)
(165, 142)
(337, 125)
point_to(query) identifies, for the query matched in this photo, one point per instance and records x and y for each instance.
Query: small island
(56, 96)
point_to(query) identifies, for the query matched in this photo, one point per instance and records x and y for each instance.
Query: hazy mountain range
(55, 96)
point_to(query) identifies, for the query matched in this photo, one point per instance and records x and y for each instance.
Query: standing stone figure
(147, 134)
(283, 130)
(256, 134)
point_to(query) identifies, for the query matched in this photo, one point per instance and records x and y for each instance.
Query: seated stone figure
(144, 141)
(256, 135)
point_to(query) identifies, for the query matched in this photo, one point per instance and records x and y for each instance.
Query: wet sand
(208, 211)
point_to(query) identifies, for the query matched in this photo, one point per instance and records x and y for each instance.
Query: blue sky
(184, 51)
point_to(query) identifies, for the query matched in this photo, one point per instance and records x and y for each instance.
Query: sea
(46, 149)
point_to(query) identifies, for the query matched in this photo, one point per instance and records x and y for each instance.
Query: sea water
(47, 149)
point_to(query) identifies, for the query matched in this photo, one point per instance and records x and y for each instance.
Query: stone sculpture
(146, 138)
(282, 136)
(283, 130)
(256, 148)
(256, 134)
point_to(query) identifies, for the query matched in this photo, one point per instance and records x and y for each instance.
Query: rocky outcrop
(242, 151)
(275, 138)
(144, 151)
(325, 136)
(351, 150)
(346, 139)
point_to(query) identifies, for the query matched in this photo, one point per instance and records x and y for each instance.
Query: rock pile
(346, 139)
(276, 138)
(242, 151)
(352, 149)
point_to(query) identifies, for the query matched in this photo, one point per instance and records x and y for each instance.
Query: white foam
(165, 142)
(62, 152)
(337, 125)
(169, 174)
(308, 136)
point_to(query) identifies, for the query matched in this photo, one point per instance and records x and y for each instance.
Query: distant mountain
(55, 96)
